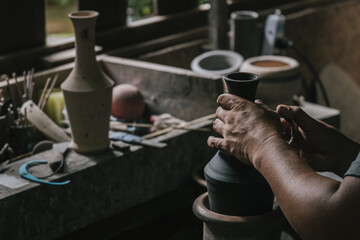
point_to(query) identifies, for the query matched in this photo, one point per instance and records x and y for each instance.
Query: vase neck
(84, 29)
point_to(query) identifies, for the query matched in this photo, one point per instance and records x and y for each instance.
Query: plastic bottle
(274, 29)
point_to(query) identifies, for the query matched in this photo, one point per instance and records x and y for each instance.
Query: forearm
(306, 198)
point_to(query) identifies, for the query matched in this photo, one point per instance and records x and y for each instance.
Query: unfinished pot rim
(241, 14)
(83, 14)
(202, 210)
(292, 65)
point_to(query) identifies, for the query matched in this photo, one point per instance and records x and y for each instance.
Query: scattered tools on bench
(56, 166)
(134, 139)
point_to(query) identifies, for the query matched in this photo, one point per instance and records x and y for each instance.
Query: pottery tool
(24, 173)
(44, 91)
(21, 156)
(134, 139)
(25, 95)
(46, 97)
(3, 161)
(58, 165)
(187, 125)
(10, 96)
(17, 86)
(118, 126)
(135, 124)
(43, 123)
(5, 78)
(31, 83)
(9, 90)
(28, 84)
(123, 126)
(120, 145)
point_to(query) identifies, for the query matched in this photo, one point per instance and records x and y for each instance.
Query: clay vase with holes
(235, 188)
(87, 90)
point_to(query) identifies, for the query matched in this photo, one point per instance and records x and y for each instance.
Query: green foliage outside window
(203, 1)
(141, 8)
(60, 3)
(57, 10)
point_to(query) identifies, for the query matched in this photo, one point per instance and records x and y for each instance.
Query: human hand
(321, 145)
(244, 125)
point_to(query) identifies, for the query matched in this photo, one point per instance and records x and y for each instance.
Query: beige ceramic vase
(87, 90)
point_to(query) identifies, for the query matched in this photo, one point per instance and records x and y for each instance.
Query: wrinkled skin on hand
(244, 125)
(322, 146)
(316, 206)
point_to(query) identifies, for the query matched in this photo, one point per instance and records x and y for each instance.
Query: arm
(316, 206)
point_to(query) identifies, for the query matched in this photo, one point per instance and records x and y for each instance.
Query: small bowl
(217, 62)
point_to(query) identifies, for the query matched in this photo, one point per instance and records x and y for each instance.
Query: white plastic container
(274, 29)
(217, 62)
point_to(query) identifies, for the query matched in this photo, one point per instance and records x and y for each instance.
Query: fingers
(218, 143)
(227, 101)
(219, 126)
(262, 105)
(220, 113)
(298, 115)
(286, 126)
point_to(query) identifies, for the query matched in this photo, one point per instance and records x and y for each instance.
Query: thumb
(296, 114)
(262, 105)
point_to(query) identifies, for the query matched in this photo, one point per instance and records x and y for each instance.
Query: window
(58, 25)
(138, 9)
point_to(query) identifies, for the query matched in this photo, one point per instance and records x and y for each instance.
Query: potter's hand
(244, 125)
(321, 145)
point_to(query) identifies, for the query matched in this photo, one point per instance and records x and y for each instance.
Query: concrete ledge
(101, 185)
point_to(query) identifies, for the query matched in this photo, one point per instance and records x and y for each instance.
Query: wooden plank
(22, 25)
(63, 57)
(133, 51)
(297, 6)
(112, 13)
(165, 7)
(179, 55)
(152, 28)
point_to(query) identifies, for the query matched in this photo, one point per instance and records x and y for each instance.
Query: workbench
(101, 185)
(113, 182)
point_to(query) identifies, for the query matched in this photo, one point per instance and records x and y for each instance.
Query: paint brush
(31, 83)
(49, 92)
(44, 91)
(17, 86)
(24, 86)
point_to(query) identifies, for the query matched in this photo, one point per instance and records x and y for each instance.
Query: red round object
(127, 102)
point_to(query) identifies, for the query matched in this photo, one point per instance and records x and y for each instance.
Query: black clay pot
(233, 187)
